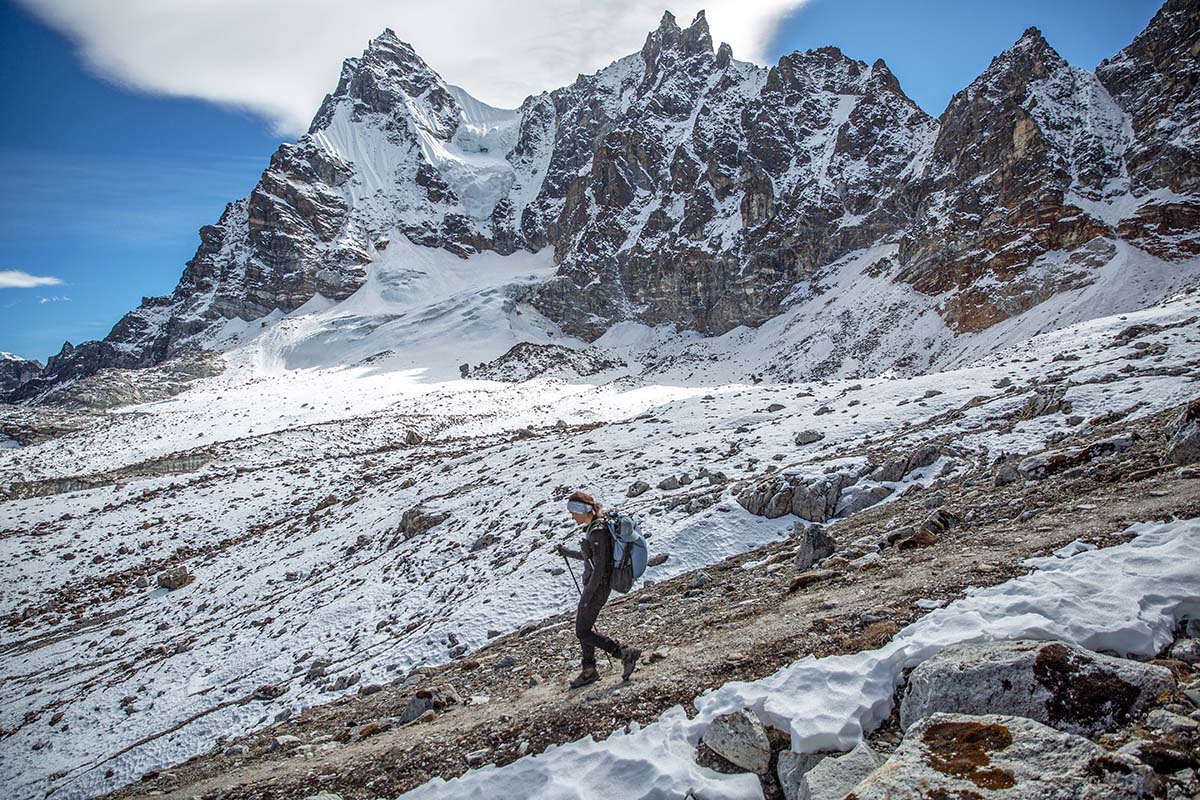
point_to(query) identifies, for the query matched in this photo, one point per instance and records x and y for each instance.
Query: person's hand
(558, 548)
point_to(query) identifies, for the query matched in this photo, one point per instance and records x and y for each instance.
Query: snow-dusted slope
(1125, 599)
(316, 527)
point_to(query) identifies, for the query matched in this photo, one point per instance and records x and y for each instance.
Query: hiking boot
(629, 657)
(586, 676)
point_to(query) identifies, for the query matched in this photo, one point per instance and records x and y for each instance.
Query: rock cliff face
(717, 186)
(15, 371)
(678, 185)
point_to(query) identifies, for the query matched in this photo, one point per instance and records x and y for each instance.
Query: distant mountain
(680, 186)
(15, 371)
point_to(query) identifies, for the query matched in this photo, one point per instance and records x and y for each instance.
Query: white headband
(578, 507)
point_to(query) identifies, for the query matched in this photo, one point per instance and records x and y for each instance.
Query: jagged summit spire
(724, 55)
(669, 36)
(388, 41)
(1032, 35)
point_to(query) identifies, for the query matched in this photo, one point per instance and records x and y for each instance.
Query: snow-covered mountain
(244, 532)
(680, 187)
(15, 371)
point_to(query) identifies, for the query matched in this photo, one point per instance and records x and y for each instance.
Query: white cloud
(15, 279)
(278, 58)
(54, 299)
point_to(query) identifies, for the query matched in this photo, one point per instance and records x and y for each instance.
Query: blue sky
(105, 188)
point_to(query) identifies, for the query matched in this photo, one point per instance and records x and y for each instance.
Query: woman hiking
(596, 551)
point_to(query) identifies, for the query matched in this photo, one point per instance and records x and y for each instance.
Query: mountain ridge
(679, 186)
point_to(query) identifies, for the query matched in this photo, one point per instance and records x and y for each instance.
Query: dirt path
(742, 623)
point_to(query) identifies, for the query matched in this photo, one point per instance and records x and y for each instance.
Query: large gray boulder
(1184, 445)
(1059, 684)
(813, 544)
(896, 468)
(994, 756)
(832, 778)
(813, 499)
(859, 497)
(791, 769)
(174, 578)
(739, 737)
(1050, 462)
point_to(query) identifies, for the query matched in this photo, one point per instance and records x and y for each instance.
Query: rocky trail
(740, 619)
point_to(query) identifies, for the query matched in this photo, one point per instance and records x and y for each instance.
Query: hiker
(596, 551)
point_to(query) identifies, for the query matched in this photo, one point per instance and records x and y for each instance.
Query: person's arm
(563, 550)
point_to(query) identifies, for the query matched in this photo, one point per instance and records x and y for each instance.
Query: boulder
(1184, 445)
(890, 470)
(430, 699)
(419, 519)
(1046, 400)
(994, 756)
(832, 778)
(285, 742)
(858, 497)
(1055, 683)
(791, 769)
(923, 456)
(1048, 463)
(896, 468)
(740, 738)
(1186, 650)
(668, 483)
(1170, 722)
(176, 578)
(813, 544)
(813, 499)
(817, 499)
(637, 488)
(808, 437)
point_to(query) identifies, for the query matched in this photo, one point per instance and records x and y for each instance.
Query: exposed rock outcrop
(979, 757)
(740, 738)
(1055, 683)
(527, 360)
(15, 371)
(1184, 445)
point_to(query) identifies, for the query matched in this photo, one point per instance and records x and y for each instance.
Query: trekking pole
(572, 571)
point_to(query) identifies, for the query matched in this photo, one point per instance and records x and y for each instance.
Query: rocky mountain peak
(1156, 80)
(681, 44)
(697, 39)
(678, 186)
(16, 371)
(384, 80)
(1029, 59)
(724, 55)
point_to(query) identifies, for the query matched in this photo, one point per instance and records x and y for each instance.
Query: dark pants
(585, 619)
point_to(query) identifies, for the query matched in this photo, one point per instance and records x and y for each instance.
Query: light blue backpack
(629, 550)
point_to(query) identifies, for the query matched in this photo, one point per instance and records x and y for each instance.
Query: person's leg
(585, 629)
(585, 617)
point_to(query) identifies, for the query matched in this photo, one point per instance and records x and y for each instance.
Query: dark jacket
(595, 549)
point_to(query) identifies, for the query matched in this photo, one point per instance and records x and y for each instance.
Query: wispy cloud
(16, 279)
(246, 54)
(54, 299)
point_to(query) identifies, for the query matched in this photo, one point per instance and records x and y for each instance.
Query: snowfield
(340, 493)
